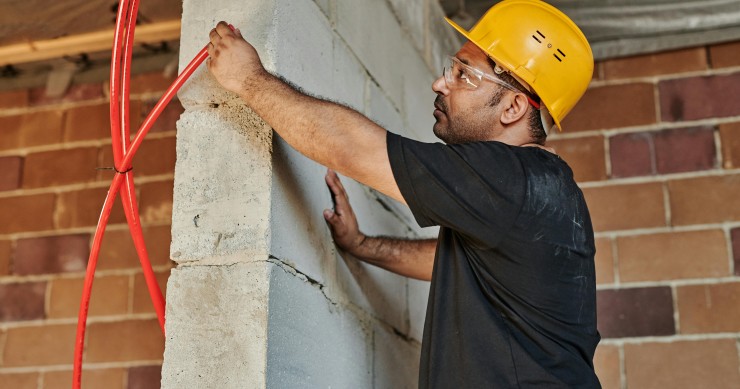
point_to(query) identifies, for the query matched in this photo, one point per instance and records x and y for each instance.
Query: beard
(465, 126)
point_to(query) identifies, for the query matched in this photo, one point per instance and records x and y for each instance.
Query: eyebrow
(463, 60)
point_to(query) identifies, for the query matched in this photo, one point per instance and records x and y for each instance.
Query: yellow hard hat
(540, 45)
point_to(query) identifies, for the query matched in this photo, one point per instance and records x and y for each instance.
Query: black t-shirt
(513, 295)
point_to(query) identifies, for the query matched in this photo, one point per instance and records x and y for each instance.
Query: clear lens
(459, 75)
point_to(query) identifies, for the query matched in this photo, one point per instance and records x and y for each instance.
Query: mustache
(440, 104)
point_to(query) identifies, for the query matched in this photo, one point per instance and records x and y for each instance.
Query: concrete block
(302, 43)
(373, 33)
(378, 292)
(348, 85)
(382, 111)
(418, 99)
(221, 199)
(298, 230)
(418, 298)
(312, 341)
(311, 56)
(326, 7)
(396, 363)
(442, 39)
(413, 18)
(217, 326)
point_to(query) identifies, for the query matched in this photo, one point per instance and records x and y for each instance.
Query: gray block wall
(261, 297)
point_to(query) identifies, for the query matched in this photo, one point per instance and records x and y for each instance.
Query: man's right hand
(232, 60)
(342, 221)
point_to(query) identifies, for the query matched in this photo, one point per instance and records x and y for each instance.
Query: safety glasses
(461, 76)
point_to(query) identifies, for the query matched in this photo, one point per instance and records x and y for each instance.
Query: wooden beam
(84, 43)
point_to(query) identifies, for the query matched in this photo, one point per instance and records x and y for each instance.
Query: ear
(515, 107)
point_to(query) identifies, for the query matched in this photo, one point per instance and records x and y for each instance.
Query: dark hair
(536, 130)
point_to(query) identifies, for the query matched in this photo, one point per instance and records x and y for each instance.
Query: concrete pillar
(260, 297)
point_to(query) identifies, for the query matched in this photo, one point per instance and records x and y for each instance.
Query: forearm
(410, 258)
(328, 133)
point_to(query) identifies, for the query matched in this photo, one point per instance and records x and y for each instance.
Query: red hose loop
(123, 156)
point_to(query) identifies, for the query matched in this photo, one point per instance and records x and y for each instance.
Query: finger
(223, 29)
(214, 36)
(211, 48)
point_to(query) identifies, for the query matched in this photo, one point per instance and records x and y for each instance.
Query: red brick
(584, 155)
(705, 200)
(167, 119)
(60, 167)
(150, 82)
(10, 127)
(156, 202)
(730, 139)
(671, 256)
(686, 98)
(118, 252)
(22, 301)
(607, 366)
(144, 377)
(142, 300)
(604, 261)
(736, 249)
(31, 129)
(109, 296)
(11, 169)
(41, 128)
(87, 122)
(635, 312)
(682, 364)
(82, 208)
(26, 213)
(155, 156)
(97, 378)
(39, 345)
(625, 207)
(78, 92)
(724, 55)
(632, 154)
(666, 62)
(709, 308)
(93, 121)
(51, 254)
(613, 106)
(19, 380)
(125, 341)
(5, 249)
(14, 98)
(685, 150)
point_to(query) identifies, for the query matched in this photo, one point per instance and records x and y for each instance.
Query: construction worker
(512, 299)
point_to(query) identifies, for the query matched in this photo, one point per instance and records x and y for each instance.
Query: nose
(439, 86)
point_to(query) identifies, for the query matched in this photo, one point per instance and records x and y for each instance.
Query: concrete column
(218, 295)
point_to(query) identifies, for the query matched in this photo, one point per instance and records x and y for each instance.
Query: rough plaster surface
(248, 231)
(217, 326)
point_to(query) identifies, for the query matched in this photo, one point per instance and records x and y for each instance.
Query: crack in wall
(302, 276)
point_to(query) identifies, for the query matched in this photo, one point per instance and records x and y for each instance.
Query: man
(512, 299)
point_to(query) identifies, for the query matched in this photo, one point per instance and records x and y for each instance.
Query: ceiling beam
(84, 43)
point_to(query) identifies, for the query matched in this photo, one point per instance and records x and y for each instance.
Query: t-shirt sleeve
(476, 189)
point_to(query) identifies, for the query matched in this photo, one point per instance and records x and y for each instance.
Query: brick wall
(50, 198)
(655, 145)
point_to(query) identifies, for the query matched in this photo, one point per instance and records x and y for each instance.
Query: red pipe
(123, 156)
